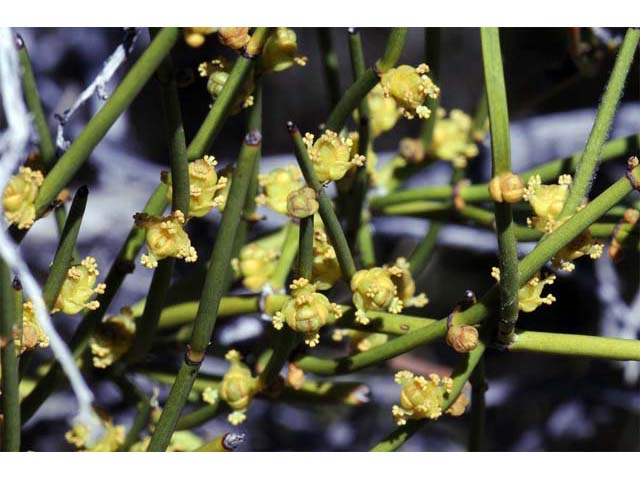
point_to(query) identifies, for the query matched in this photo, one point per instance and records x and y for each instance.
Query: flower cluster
(165, 237)
(410, 87)
(276, 187)
(452, 138)
(547, 202)
(383, 111)
(530, 295)
(19, 197)
(238, 387)
(421, 398)
(78, 288)
(111, 440)
(302, 203)
(307, 311)
(113, 338)
(256, 263)
(331, 155)
(325, 268)
(217, 73)
(204, 186)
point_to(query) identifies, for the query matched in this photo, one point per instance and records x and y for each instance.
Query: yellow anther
(419, 397)
(410, 87)
(238, 387)
(331, 155)
(374, 289)
(530, 295)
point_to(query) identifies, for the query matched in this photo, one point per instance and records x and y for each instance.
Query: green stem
(548, 172)
(501, 160)
(288, 254)
(432, 58)
(586, 169)
(66, 247)
(329, 60)
(331, 222)
(576, 345)
(478, 407)
(79, 151)
(198, 417)
(364, 84)
(422, 253)
(212, 292)
(147, 325)
(361, 181)
(10, 318)
(133, 393)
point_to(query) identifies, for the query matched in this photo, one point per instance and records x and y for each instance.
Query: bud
(507, 187)
(410, 87)
(234, 37)
(195, 36)
(217, 72)
(546, 201)
(403, 280)
(419, 397)
(302, 203)
(462, 338)
(279, 52)
(19, 197)
(78, 287)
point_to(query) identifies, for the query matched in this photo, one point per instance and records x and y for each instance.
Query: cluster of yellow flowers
(530, 295)
(113, 338)
(410, 87)
(256, 264)
(165, 237)
(421, 398)
(276, 187)
(307, 311)
(332, 155)
(111, 440)
(19, 197)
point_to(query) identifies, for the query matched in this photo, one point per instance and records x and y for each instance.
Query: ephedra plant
(297, 275)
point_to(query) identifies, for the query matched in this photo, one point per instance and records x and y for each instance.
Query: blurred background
(534, 402)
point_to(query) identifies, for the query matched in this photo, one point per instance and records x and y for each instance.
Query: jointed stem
(478, 387)
(501, 160)
(10, 318)
(330, 64)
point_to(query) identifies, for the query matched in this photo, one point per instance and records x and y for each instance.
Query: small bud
(279, 52)
(302, 203)
(295, 376)
(462, 338)
(507, 187)
(217, 72)
(234, 37)
(195, 36)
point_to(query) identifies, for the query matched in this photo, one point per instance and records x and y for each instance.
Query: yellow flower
(111, 440)
(165, 237)
(217, 72)
(195, 36)
(383, 111)
(331, 155)
(204, 184)
(234, 37)
(546, 201)
(306, 311)
(403, 280)
(19, 197)
(419, 397)
(31, 335)
(325, 269)
(507, 187)
(256, 264)
(277, 185)
(374, 289)
(450, 140)
(113, 338)
(78, 287)
(279, 52)
(410, 87)
(530, 295)
(238, 387)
